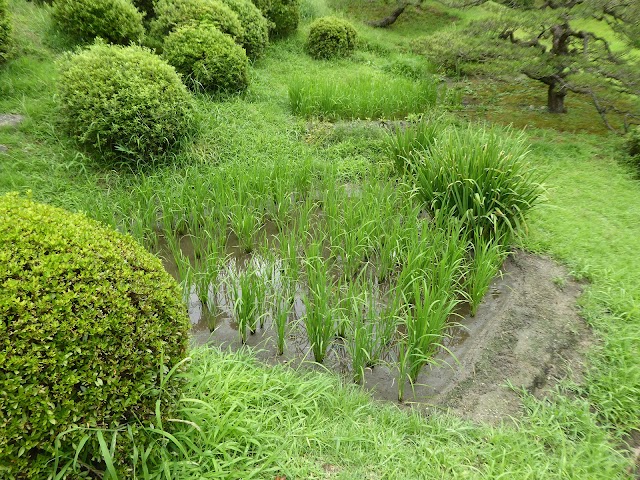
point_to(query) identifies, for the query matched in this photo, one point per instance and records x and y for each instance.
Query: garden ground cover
(279, 422)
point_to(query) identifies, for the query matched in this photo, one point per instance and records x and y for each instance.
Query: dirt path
(527, 332)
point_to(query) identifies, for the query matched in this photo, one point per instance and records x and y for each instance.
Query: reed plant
(363, 96)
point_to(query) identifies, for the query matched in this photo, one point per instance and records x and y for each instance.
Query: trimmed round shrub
(256, 28)
(171, 14)
(88, 321)
(208, 59)
(116, 21)
(331, 37)
(283, 15)
(5, 30)
(124, 103)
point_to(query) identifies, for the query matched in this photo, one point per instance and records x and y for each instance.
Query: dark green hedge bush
(171, 14)
(256, 28)
(88, 320)
(331, 37)
(208, 59)
(5, 30)
(124, 103)
(633, 142)
(283, 15)
(116, 21)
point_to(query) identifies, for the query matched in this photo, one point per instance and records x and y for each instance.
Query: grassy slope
(308, 426)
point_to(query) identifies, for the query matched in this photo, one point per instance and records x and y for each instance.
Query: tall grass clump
(481, 177)
(362, 96)
(405, 145)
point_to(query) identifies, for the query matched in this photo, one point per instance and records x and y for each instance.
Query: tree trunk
(391, 19)
(555, 100)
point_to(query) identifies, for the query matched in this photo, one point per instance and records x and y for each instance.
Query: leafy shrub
(480, 177)
(331, 37)
(5, 29)
(255, 37)
(468, 52)
(283, 15)
(145, 7)
(88, 320)
(124, 102)
(633, 142)
(208, 58)
(116, 21)
(171, 14)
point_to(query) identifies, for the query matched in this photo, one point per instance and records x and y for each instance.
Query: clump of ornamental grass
(480, 176)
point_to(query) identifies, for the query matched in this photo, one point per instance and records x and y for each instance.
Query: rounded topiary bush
(88, 321)
(283, 15)
(171, 14)
(256, 28)
(116, 21)
(209, 59)
(5, 30)
(331, 37)
(124, 103)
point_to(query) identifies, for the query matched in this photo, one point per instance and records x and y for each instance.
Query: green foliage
(171, 14)
(5, 29)
(466, 51)
(632, 146)
(352, 97)
(208, 58)
(255, 36)
(283, 15)
(123, 103)
(89, 322)
(146, 7)
(331, 37)
(116, 21)
(481, 177)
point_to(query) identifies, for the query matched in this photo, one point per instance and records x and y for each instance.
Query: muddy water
(219, 328)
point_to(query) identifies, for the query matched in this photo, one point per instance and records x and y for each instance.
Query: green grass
(362, 97)
(240, 419)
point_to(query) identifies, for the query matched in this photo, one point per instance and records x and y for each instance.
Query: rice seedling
(319, 314)
(245, 223)
(488, 255)
(481, 177)
(363, 96)
(425, 324)
(361, 337)
(247, 296)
